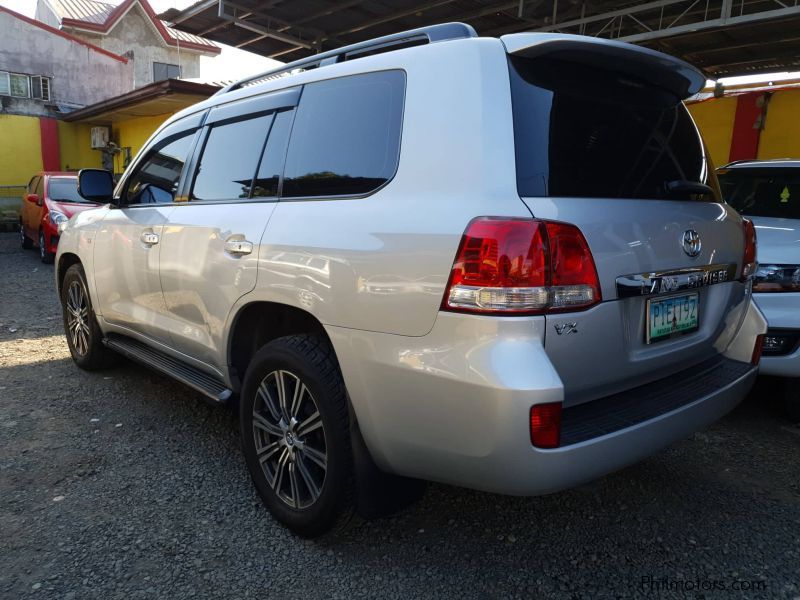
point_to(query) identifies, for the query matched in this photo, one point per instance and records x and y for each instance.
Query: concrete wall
(80, 75)
(135, 33)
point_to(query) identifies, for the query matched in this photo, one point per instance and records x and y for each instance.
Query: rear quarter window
(345, 139)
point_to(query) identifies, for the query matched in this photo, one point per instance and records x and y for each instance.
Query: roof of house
(62, 34)
(101, 17)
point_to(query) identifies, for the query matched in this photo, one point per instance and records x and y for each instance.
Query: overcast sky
(232, 63)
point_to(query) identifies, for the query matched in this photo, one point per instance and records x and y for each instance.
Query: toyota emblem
(691, 242)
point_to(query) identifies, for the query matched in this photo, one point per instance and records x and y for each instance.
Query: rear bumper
(782, 313)
(453, 406)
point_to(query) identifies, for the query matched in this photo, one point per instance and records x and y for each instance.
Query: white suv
(495, 263)
(768, 193)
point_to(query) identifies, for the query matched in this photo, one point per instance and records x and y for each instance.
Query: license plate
(670, 317)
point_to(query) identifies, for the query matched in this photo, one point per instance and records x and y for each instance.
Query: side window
(271, 167)
(346, 136)
(230, 156)
(40, 189)
(32, 184)
(155, 180)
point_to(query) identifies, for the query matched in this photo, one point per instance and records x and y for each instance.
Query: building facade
(130, 28)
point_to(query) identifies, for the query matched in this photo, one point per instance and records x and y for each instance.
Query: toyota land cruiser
(496, 263)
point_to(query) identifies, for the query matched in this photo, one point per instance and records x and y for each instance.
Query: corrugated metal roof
(99, 14)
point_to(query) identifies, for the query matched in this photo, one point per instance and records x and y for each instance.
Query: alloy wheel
(78, 318)
(22, 237)
(290, 439)
(42, 249)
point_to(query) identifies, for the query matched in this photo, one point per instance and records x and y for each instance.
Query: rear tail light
(521, 267)
(757, 349)
(749, 264)
(546, 425)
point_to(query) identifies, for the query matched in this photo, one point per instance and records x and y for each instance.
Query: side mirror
(96, 185)
(33, 198)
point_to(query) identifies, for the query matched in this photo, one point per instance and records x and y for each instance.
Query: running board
(174, 368)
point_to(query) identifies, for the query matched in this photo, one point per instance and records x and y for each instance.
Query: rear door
(210, 243)
(604, 141)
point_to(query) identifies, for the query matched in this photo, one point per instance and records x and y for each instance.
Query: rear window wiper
(677, 186)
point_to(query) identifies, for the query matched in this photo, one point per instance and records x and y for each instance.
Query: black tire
(86, 347)
(24, 241)
(286, 444)
(44, 255)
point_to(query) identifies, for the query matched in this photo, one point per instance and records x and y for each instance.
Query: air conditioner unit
(99, 138)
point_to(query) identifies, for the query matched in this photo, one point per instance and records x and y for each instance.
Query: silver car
(496, 263)
(768, 193)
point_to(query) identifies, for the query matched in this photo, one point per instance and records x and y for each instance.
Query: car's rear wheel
(295, 434)
(44, 254)
(84, 338)
(24, 240)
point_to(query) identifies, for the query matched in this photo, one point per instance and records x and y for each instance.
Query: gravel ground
(122, 484)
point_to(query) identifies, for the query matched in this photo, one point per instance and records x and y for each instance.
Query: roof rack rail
(431, 34)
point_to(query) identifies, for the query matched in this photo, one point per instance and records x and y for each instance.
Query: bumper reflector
(757, 349)
(546, 425)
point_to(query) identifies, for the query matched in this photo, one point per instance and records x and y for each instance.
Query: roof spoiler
(665, 71)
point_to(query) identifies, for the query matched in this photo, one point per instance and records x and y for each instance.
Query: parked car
(496, 263)
(51, 198)
(768, 193)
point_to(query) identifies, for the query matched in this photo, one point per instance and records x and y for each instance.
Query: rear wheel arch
(258, 323)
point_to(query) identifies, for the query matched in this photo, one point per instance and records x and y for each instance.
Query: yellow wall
(20, 149)
(780, 137)
(133, 133)
(714, 119)
(76, 147)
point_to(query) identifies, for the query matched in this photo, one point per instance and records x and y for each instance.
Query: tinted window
(584, 131)
(763, 192)
(229, 159)
(156, 179)
(271, 167)
(346, 136)
(40, 188)
(64, 189)
(32, 185)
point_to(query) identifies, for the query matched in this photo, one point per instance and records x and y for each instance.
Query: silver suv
(495, 263)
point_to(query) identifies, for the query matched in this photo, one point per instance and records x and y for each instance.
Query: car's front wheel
(46, 256)
(24, 240)
(84, 338)
(295, 434)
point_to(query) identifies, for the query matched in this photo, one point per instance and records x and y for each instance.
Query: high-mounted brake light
(749, 264)
(521, 267)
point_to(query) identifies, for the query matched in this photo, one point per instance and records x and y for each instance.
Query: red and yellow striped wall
(750, 124)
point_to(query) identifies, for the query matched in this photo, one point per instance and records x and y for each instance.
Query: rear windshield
(587, 132)
(64, 189)
(763, 192)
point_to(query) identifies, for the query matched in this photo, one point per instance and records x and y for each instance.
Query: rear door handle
(149, 238)
(238, 247)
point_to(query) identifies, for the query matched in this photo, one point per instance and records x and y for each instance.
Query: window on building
(162, 71)
(24, 86)
(40, 88)
(346, 136)
(229, 159)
